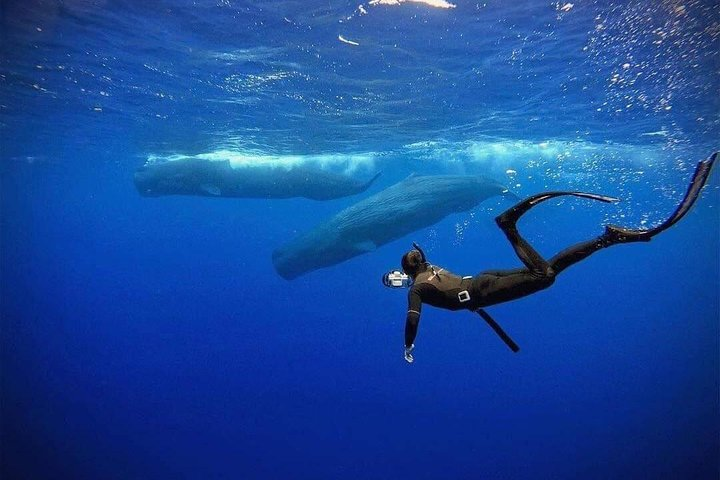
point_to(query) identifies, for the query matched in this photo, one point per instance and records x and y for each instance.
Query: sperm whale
(412, 204)
(219, 178)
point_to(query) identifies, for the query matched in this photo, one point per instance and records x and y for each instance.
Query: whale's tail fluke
(367, 184)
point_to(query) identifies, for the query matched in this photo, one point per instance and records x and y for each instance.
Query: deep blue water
(151, 337)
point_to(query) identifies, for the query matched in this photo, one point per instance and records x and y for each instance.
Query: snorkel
(423, 258)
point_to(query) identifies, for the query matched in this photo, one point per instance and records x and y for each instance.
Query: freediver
(440, 288)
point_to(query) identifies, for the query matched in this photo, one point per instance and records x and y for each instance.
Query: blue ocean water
(152, 338)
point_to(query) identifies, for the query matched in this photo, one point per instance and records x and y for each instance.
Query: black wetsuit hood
(414, 262)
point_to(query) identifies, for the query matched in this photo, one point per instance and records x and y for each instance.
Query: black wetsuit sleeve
(413, 315)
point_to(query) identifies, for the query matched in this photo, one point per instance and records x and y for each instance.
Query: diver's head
(413, 262)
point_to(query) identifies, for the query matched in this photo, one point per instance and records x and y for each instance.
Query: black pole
(498, 329)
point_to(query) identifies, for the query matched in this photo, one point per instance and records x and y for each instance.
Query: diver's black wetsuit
(441, 288)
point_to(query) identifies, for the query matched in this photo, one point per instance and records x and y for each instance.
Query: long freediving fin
(699, 179)
(513, 214)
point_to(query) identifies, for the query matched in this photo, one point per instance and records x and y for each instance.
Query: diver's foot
(509, 217)
(615, 234)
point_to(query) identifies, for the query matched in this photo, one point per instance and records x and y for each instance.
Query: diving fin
(699, 179)
(513, 214)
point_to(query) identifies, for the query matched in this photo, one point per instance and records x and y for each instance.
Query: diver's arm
(413, 315)
(412, 320)
(411, 327)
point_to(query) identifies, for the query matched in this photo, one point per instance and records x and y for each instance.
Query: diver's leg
(498, 286)
(580, 251)
(507, 221)
(526, 253)
(493, 287)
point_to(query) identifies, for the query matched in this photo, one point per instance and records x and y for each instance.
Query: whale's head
(180, 177)
(169, 178)
(148, 182)
(322, 247)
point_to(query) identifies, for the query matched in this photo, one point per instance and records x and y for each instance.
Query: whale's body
(412, 204)
(219, 178)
